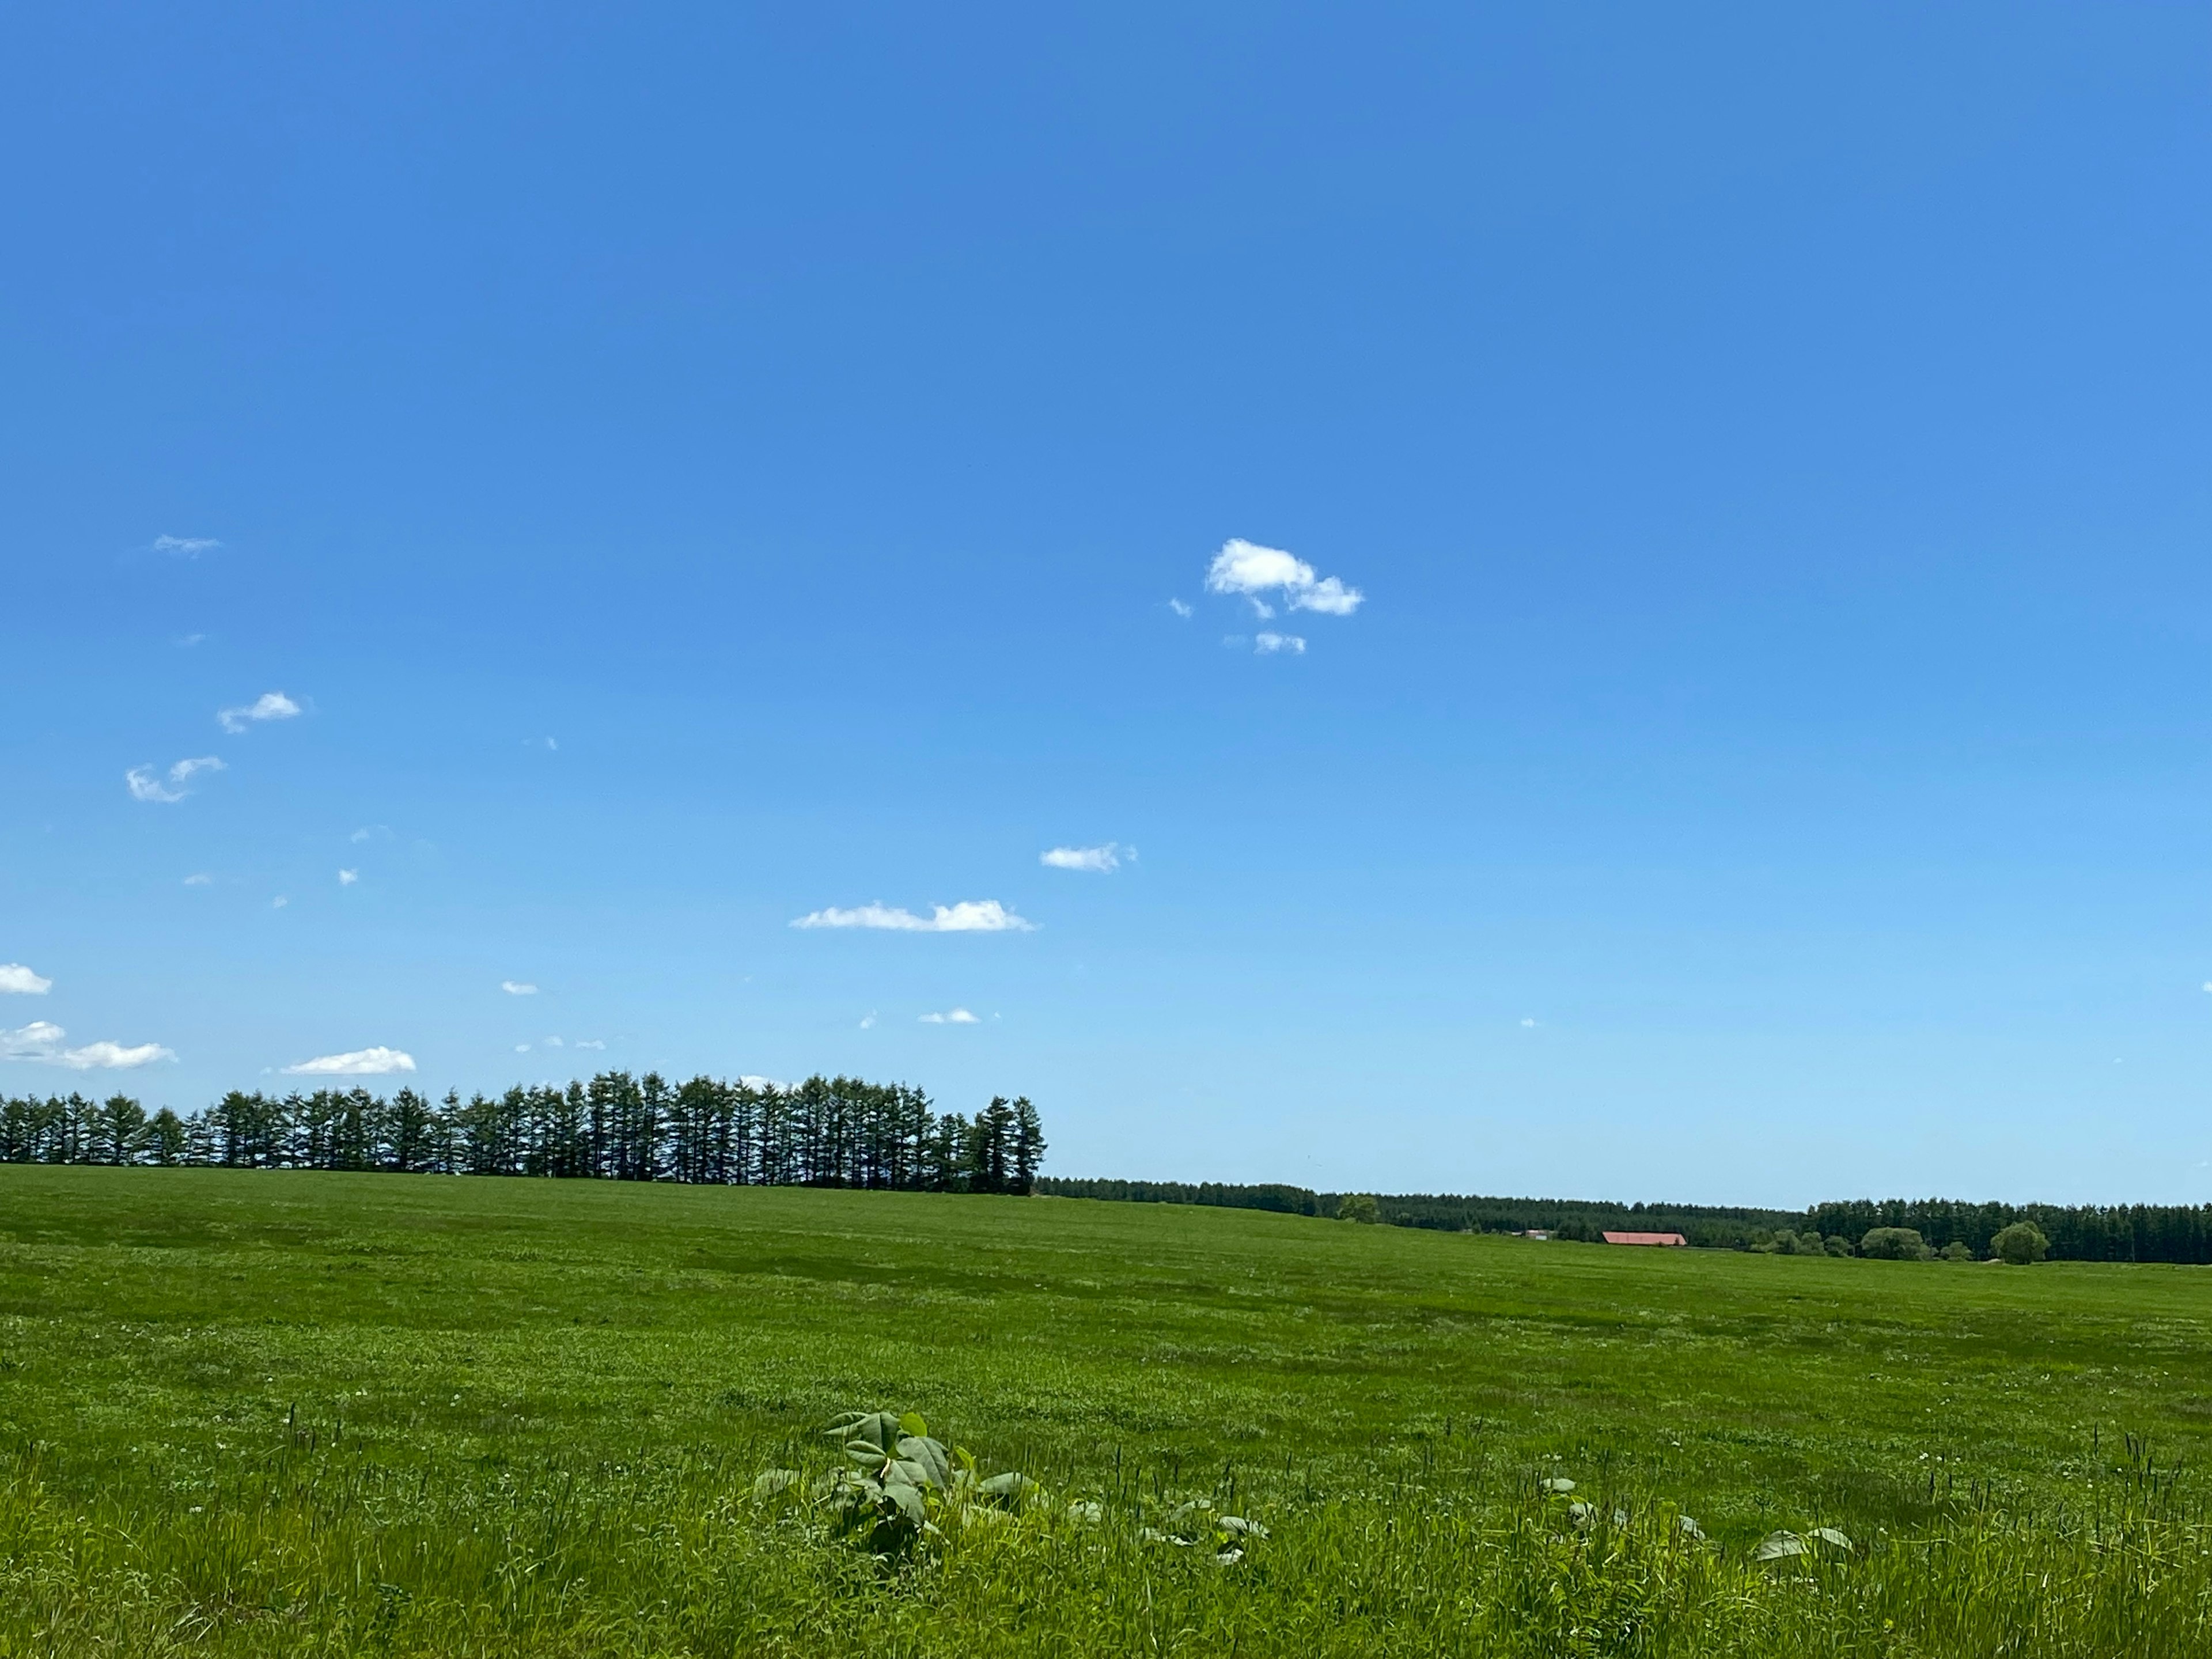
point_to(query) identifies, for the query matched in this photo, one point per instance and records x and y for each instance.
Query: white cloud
(184, 547)
(199, 878)
(278, 902)
(16, 979)
(552, 1043)
(347, 878)
(1267, 645)
(1098, 860)
(41, 1040)
(588, 1042)
(1248, 569)
(1180, 608)
(1527, 1024)
(269, 706)
(186, 642)
(361, 1062)
(953, 1017)
(969, 916)
(515, 988)
(522, 1048)
(371, 832)
(145, 785)
(868, 1020)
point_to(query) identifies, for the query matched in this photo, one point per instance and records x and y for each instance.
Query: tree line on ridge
(825, 1131)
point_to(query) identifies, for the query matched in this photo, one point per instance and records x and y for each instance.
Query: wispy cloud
(868, 1020)
(186, 642)
(185, 547)
(517, 987)
(199, 878)
(347, 878)
(18, 981)
(361, 1062)
(278, 902)
(1098, 861)
(145, 784)
(969, 916)
(41, 1042)
(1181, 607)
(1267, 645)
(1249, 570)
(372, 832)
(952, 1016)
(269, 706)
(588, 1042)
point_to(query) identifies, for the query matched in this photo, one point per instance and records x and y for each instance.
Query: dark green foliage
(826, 1132)
(1358, 1206)
(2021, 1243)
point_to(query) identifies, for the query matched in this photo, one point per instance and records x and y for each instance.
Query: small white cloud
(199, 878)
(186, 642)
(1098, 861)
(1248, 570)
(2208, 985)
(588, 1042)
(1268, 644)
(41, 1042)
(516, 988)
(347, 878)
(540, 743)
(952, 1016)
(522, 1048)
(185, 547)
(1180, 608)
(278, 902)
(269, 706)
(969, 916)
(371, 832)
(868, 1020)
(552, 1043)
(145, 784)
(361, 1062)
(16, 980)
(1527, 1023)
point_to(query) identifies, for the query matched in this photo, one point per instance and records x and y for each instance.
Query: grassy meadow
(264, 1412)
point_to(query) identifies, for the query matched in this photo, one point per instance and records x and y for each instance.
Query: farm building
(1646, 1238)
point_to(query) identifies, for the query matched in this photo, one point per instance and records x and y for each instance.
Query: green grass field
(277, 1412)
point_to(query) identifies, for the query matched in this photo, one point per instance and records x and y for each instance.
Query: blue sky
(695, 470)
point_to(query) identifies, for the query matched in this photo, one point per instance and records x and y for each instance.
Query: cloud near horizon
(969, 916)
(516, 988)
(18, 981)
(269, 706)
(41, 1042)
(145, 786)
(1248, 569)
(952, 1016)
(361, 1062)
(1098, 861)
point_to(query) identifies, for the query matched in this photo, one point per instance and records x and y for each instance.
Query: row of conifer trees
(825, 1131)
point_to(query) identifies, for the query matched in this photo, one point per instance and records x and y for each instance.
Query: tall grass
(312, 1550)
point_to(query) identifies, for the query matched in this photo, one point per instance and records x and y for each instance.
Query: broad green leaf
(774, 1482)
(879, 1429)
(1776, 1545)
(1830, 1535)
(928, 1456)
(911, 1423)
(1559, 1483)
(909, 1501)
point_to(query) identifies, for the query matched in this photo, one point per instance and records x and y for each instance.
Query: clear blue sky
(694, 470)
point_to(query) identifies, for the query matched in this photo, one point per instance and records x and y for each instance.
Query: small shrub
(1956, 1250)
(1358, 1206)
(2021, 1243)
(1836, 1244)
(1894, 1244)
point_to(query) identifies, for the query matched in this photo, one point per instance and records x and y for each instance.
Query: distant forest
(2135, 1232)
(825, 1131)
